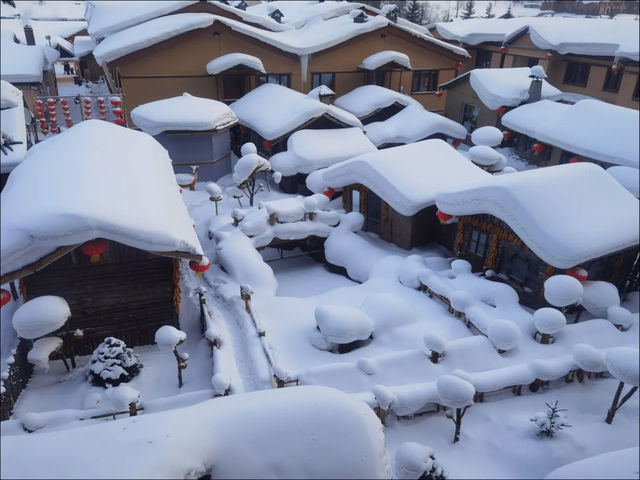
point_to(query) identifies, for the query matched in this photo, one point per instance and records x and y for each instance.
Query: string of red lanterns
(51, 107)
(117, 111)
(87, 108)
(102, 108)
(44, 126)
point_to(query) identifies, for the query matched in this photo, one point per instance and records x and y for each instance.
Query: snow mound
(230, 60)
(549, 320)
(41, 316)
(503, 334)
(220, 383)
(368, 366)
(368, 99)
(33, 421)
(387, 310)
(434, 343)
(412, 460)
(617, 464)
(214, 190)
(341, 324)
(410, 269)
(598, 296)
(485, 156)
(623, 363)
(455, 392)
(42, 349)
(460, 267)
(562, 290)
(379, 59)
(620, 316)
(589, 358)
(122, 395)
(10, 96)
(168, 337)
(487, 136)
(248, 148)
(628, 177)
(320, 91)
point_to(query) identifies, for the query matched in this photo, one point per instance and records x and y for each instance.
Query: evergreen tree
(552, 421)
(413, 11)
(113, 363)
(488, 13)
(469, 9)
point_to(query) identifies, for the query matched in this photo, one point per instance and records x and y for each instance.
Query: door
(374, 212)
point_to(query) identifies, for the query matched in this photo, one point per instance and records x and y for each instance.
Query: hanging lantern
(503, 49)
(458, 64)
(5, 297)
(120, 121)
(267, 144)
(578, 273)
(574, 160)
(506, 136)
(39, 103)
(115, 101)
(65, 108)
(100, 100)
(51, 102)
(439, 93)
(501, 111)
(456, 143)
(329, 193)
(118, 111)
(69, 123)
(615, 68)
(537, 148)
(443, 217)
(94, 248)
(548, 55)
(200, 267)
(64, 102)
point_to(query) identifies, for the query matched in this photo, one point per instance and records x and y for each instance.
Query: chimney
(535, 89)
(28, 35)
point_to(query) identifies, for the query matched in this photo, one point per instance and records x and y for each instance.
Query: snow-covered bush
(221, 384)
(598, 296)
(435, 345)
(622, 363)
(548, 321)
(416, 461)
(33, 421)
(168, 338)
(122, 396)
(562, 290)
(367, 365)
(246, 169)
(41, 316)
(550, 422)
(485, 157)
(620, 317)
(113, 363)
(503, 334)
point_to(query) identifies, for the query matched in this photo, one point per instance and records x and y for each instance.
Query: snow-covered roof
(13, 127)
(581, 36)
(321, 91)
(406, 177)
(368, 99)
(231, 60)
(566, 214)
(628, 177)
(185, 112)
(83, 45)
(379, 59)
(42, 28)
(412, 124)
(24, 63)
(296, 13)
(303, 432)
(592, 128)
(273, 111)
(509, 87)
(310, 150)
(36, 9)
(96, 179)
(617, 463)
(148, 34)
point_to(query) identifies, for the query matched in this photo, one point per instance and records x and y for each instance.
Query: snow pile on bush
(113, 363)
(168, 337)
(562, 290)
(122, 396)
(41, 316)
(248, 165)
(503, 334)
(460, 267)
(341, 324)
(410, 269)
(414, 461)
(620, 317)
(486, 157)
(455, 392)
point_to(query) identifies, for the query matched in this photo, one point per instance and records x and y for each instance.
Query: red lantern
(501, 111)
(439, 93)
(64, 102)
(69, 123)
(574, 160)
(118, 111)
(503, 49)
(615, 68)
(120, 121)
(443, 217)
(456, 143)
(506, 135)
(537, 148)
(458, 64)
(267, 144)
(329, 192)
(39, 103)
(100, 100)
(549, 55)
(51, 102)
(94, 248)
(5, 297)
(115, 101)
(200, 267)
(578, 273)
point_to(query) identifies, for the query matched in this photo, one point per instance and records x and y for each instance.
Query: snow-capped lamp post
(622, 363)
(435, 345)
(455, 392)
(548, 321)
(169, 338)
(215, 193)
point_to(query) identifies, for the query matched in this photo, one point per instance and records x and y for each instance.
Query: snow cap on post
(485, 156)
(41, 316)
(620, 317)
(455, 392)
(598, 296)
(487, 136)
(434, 343)
(549, 320)
(503, 334)
(562, 290)
(622, 363)
(168, 337)
(248, 148)
(214, 191)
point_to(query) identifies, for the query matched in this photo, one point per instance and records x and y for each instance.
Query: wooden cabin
(65, 196)
(395, 189)
(524, 227)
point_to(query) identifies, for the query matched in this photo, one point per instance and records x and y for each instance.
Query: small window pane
(483, 59)
(425, 81)
(577, 74)
(355, 200)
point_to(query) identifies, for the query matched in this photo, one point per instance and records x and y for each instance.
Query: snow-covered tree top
(455, 392)
(40, 316)
(169, 337)
(247, 166)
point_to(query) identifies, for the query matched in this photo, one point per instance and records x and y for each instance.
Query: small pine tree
(550, 422)
(413, 11)
(433, 470)
(469, 9)
(508, 13)
(113, 363)
(488, 13)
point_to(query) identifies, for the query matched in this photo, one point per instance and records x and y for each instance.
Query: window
(577, 73)
(477, 242)
(278, 78)
(355, 200)
(483, 59)
(425, 81)
(327, 79)
(374, 212)
(532, 62)
(612, 81)
(469, 116)
(376, 77)
(525, 269)
(636, 92)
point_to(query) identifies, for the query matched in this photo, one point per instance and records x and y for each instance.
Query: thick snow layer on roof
(406, 177)
(13, 127)
(185, 112)
(567, 214)
(321, 91)
(108, 17)
(42, 28)
(303, 432)
(94, 180)
(10, 96)
(382, 58)
(36, 9)
(298, 13)
(628, 177)
(310, 150)
(412, 124)
(616, 464)
(592, 128)
(21, 63)
(582, 36)
(149, 33)
(83, 45)
(365, 100)
(497, 87)
(273, 111)
(230, 60)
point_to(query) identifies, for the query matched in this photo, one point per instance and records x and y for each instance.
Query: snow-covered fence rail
(15, 379)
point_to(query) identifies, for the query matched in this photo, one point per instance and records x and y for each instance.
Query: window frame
(617, 77)
(317, 80)
(569, 75)
(486, 55)
(418, 80)
(476, 246)
(262, 79)
(473, 124)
